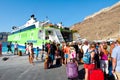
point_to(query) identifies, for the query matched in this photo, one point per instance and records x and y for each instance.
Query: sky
(69, 12)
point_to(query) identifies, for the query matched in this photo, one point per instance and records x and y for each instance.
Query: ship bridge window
(40, 31)
(50, 32)
(67, 36)
(47, 37)
(40, 34)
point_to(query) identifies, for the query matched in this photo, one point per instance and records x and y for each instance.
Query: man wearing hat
(116, 59)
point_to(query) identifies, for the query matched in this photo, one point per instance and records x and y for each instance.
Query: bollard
(20, 53)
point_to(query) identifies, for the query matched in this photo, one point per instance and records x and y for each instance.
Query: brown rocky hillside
(104, 24)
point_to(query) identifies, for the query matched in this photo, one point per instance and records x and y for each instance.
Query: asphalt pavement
(18, 68)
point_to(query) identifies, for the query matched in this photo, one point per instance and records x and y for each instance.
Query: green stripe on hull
(27, 36)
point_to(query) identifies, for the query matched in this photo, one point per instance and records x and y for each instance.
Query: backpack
(87, 57)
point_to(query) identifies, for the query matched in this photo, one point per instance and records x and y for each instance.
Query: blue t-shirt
(116, 54)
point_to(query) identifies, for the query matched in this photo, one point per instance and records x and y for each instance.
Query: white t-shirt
(16, 45)
(85, 47)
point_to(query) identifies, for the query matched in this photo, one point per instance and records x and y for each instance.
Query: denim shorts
(66, 56)
(51, 57)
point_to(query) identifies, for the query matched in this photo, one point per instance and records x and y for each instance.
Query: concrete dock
(18, 68)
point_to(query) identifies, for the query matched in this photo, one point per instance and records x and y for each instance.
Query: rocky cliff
(104, 24)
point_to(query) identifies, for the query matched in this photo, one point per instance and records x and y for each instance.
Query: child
(43, 54)
(72, 54)
(37, 53)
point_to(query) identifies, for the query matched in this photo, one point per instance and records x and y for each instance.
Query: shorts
(51, 57)
(37, 54)
(65, 55)
(89, 66)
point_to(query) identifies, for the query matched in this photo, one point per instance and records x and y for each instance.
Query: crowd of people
(104, 55)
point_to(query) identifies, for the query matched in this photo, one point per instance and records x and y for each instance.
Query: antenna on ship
(45, 22)
(14, 27)
(60, 25)
(33, 17)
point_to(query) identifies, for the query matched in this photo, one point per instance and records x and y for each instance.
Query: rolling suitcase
(72, 70)
(96, 74)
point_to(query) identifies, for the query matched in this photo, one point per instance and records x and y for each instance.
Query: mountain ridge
(102, 25)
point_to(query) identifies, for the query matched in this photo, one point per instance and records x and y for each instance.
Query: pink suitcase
(96, 74)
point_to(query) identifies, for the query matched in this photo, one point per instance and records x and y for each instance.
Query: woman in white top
(31, 53)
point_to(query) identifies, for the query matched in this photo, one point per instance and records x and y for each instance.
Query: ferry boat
(39, 33)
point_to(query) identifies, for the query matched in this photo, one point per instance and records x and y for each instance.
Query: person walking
(15, 48)
(9, 47)
(116, 59)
